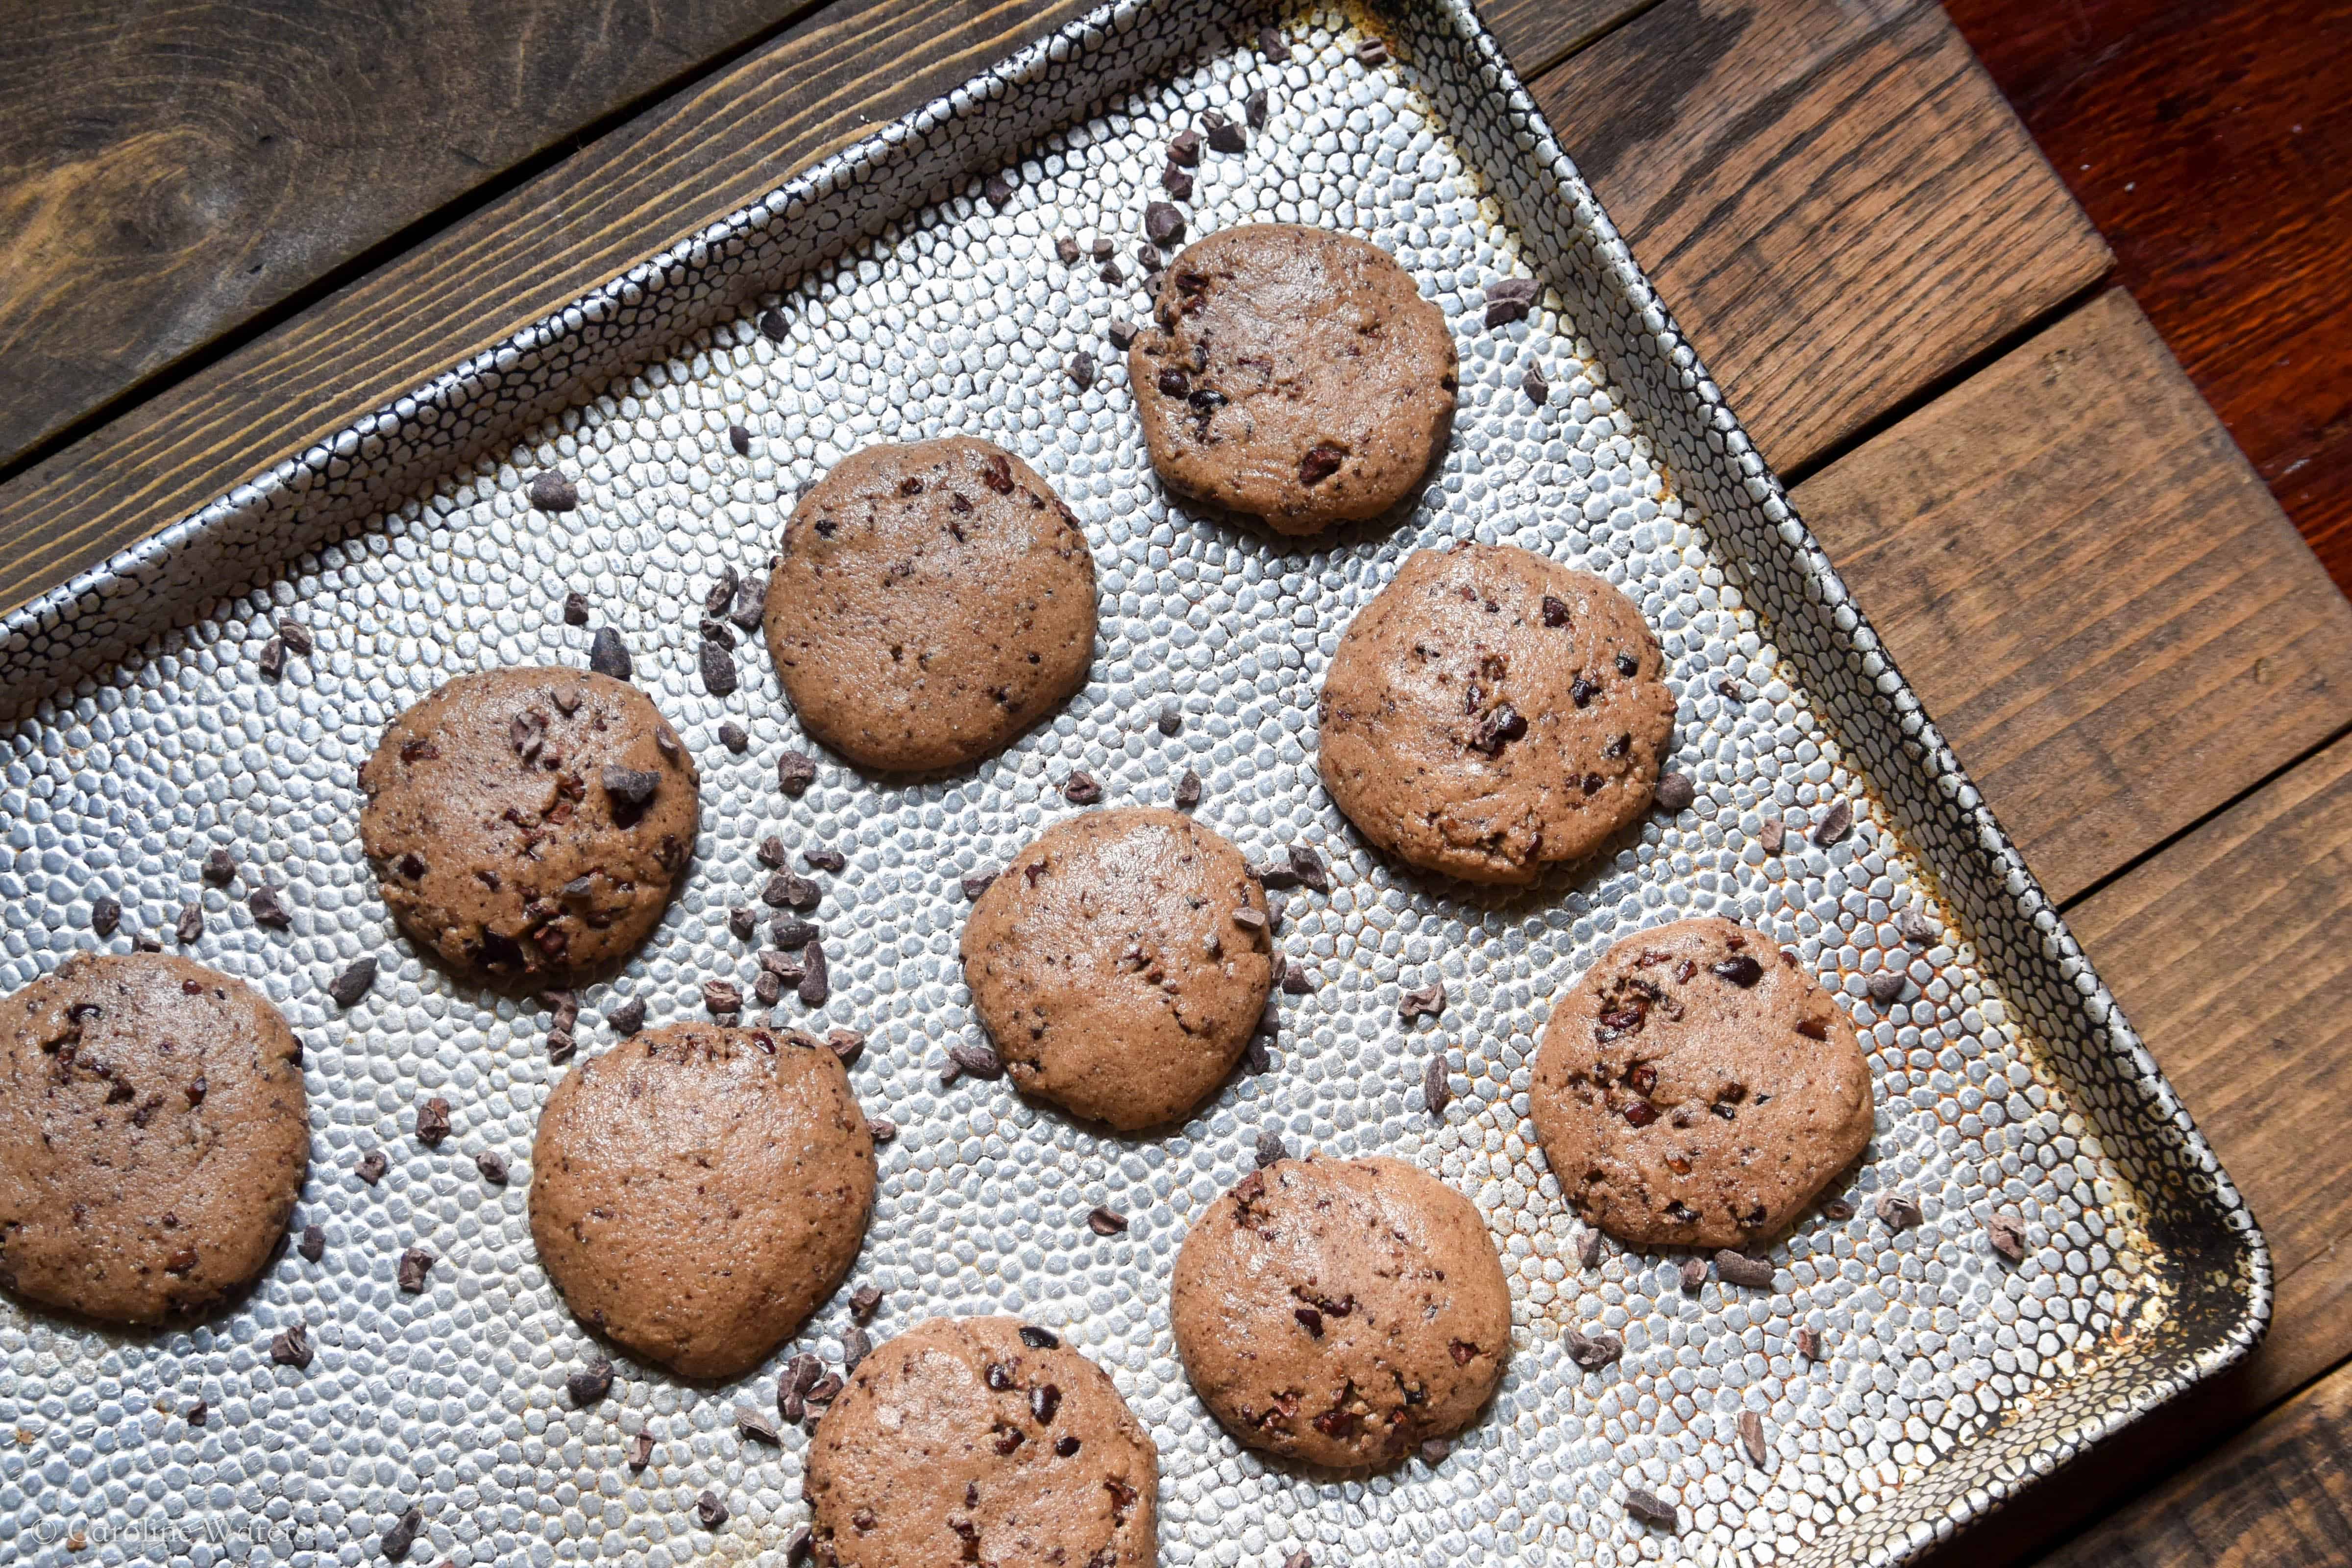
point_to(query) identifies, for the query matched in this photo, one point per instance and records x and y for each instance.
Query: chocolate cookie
(933, 601)
(1341, 1311)
(153, 1133)
(529, 824)
(1120, 964)
(1491, 713)
(697, 1191)
(980, 1440)
(1295, 375)
(1696, 1089)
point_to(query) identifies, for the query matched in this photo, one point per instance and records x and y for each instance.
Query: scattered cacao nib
(106, 916)
(1588, 1248)
(1106, 1221)
(977, 1060)
(2007, 1234)
(1694, 1273)
(846, 1044)
(191, 924)
(750, 603)
(1886, 987)
(742, 921)
(607, 655)
(768, 988)
(590, 1382)
(1111, 273)
(1900, 1213)
(1298, 1558)
(1177, 182)
(146, 944)
(1121, 334)
(770, 852)
(1188, 789)
(1372, 52)
(717, 666)
(1162, 224)
(628, 1018)
(1038, 1339)
(1066, 246)
(1835, 823)
(313, 1244)
(219, 868)
(722, 996)
(1808, 1343)
(1249, 919)
(1751, 1436)
(198, 1414)
(732, 736)
(975, 886)
(757, 1424)
(1740, 970)
(291, 1347)
(1436, 1087)
(1915, 929)
(353, 984)
(773, 326)
(1321, 461)
(1080, 368)
(1296, 982)
(817, 984)
(796, 771)
(272, 659)
(1837, 1209)
(864, 1301)
(372, 1167)
(416, 1267)
(432, 1121)
(1650, 1508)
(402, 1535)
(493, 1166)
(1425, 1002)
(1533, 383)
(1510, 299)
(740, 439)
(709, 1510)
(950, 1073)
(641, 1450)
(575, 608)
(1171, 717)
(1738, 1268)
(790, 890)
(1184, 148)
(1270, 1148)
(1773, 836)
(721, 592)
(1595, 1350)
(824, 859)
(1675, 792)
(1224, 136)
(854, 1348)
(1080, 789)
(1256, 1058)
(998, 188)
(268, 910)
(553, 491)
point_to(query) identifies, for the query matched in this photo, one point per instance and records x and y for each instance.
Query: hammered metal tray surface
(915, 303)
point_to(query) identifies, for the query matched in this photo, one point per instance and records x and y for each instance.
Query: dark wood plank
(2276, 1496)
(168, 172)
(2091, 591)
(1537, 34)
(2208, 139)
(2225, 952)
(1830, 195)
(689, 160)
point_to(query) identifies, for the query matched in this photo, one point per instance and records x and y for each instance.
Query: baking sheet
(913, 304)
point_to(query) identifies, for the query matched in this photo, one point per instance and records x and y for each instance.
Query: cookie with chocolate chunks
(1696, 1089)
(153, 1135)
(698, 1191)
(1295, 375)
(1341, 1313)
(1492, 712)
(528, 825)
(1119, 964)
(933, 601)
(983, 1440)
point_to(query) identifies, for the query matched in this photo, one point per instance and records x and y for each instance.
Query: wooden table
(230, 231)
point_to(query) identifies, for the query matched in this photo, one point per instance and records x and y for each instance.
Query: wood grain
(169, 170)
(2208, 140)
(2092, 593)
(2278, 1495)
(690, 159)
(1830, 196)
(1537, 34)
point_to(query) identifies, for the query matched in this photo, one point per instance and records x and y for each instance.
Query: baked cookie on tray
(1696, 1089)
(529, 824)
(1492, 712)
(1341, 1313)
(698, 1191)
(933, 601)
(153, 1135)
(1120, 964)
(983, 1440)
(1294, 373)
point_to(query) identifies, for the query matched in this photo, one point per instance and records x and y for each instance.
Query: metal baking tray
(911, 300)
